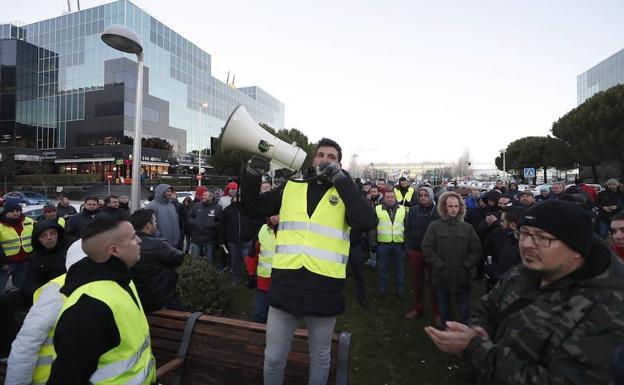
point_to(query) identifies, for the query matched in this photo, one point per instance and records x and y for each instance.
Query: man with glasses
(555, 318)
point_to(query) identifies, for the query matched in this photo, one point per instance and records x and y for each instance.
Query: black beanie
(566, 221)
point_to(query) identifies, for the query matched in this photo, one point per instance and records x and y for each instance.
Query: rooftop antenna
(78, 1)
(68, 6)
(228, 79)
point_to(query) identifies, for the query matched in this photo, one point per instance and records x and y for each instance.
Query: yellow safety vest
(130, 362)
(47, 354)
(408, 195)
(319, 243)
(266, 237)
(12, 242)
(388, 231)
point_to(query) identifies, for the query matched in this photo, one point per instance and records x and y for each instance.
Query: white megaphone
(242, 133)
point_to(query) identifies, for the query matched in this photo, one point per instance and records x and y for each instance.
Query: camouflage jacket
(562, 333)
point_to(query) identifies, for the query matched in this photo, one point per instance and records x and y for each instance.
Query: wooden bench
(228, 351)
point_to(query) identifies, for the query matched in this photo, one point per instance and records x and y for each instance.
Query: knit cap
(566, 221)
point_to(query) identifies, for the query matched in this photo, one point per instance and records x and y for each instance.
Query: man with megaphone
(311, 253)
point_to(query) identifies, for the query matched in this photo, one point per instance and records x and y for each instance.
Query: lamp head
(122, 39)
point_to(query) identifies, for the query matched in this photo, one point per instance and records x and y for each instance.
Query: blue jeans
(604, 228)
(238, 251)
(388, 253)
(206, 250)
(445, 298)
(18, 274)
(261, 309)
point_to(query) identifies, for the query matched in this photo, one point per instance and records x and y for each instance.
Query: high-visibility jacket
(408, 195)
(266, 237)
(130, 362)
(388, 231)
(47, 354)
(61, 221)
(320, 243)
(12, 242)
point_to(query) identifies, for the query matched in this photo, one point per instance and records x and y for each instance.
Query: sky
(398, 81)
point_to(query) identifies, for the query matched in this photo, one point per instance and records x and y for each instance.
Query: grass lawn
(385, 347)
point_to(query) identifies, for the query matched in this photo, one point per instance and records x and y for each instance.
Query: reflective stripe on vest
(12, 242)
(130, 362)
(266, 237)
(47, 354)
(408, 195)
(319, 243)
(387, 231)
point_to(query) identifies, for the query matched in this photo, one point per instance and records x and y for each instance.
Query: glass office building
(68, 99)
(606, 74)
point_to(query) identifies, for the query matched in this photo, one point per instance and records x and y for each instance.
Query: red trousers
(417, 267)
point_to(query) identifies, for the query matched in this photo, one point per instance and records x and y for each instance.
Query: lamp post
(503, 151)
(199, 162)
(126, 40)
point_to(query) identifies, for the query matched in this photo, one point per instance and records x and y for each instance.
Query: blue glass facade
(85, 90)
(606, 74)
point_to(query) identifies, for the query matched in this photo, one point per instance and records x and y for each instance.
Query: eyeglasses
(538, 240)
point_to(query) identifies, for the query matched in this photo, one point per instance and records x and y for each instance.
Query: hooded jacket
(78, 343)
(452, 247)
(418, 220)
(40, 319)
(154, 275)
(302, 292)
(45, 264)
(166, 216)
(564, 332)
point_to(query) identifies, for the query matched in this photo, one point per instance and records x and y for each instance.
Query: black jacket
(301, 292)
(45, 264)
(237, 226)
(61, 210)
(609, 198)
(154, 275)
(418, 220)
(76, 224)
(86, 330)
(204, 220)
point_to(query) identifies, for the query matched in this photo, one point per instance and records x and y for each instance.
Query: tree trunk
(545, 176)
(594, 172)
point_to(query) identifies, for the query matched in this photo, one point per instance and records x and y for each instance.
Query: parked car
(184, 194)
(33, 211)
(27, 197)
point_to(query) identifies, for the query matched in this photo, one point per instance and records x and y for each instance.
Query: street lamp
(503, 151)
(126, 40)
(199, 162)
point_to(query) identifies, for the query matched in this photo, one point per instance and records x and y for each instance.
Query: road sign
(109, 176)
(198, 177)
(529, 172)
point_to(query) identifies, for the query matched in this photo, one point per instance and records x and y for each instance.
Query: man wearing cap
(609, 202)
(554, 319)
(527, 199)
(50, 213)
(15, 243)
(544, 194)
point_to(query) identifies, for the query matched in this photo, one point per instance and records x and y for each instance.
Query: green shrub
(202, 288)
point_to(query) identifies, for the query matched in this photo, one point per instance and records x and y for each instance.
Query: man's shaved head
(111, 236)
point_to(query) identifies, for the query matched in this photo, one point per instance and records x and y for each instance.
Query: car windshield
(34, 195)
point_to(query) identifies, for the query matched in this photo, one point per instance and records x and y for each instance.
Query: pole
(135, 189)
(199, 162)
(108, 186)
(504, 169)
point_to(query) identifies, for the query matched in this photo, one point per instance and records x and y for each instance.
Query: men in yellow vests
(388, 241)
(404, 193)
(15, 241)
(102, 335)
(32, 352)
(311, 252)
(259, 263)
(50, 212)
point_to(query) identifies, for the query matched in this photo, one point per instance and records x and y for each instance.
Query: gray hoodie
(166, 216)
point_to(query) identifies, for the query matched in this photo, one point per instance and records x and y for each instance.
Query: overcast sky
(388, 78)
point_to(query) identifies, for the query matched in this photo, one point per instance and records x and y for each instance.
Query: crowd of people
(555, 288)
